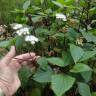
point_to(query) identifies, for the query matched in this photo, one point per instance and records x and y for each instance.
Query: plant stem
(87, 14)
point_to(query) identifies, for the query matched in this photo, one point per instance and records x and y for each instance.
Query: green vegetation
(66, 30)
(6, 6)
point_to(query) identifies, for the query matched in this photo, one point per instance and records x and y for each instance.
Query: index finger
(17, 61)
(26, 56)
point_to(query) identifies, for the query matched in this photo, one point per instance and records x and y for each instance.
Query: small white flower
(16, 26)
(61, 16)
(18, 32)
(32, 42)
(32, 39)
(23, 31)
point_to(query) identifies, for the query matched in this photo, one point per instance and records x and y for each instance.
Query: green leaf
(87, 75)
(79, 67)
(24, 75)
(57, 4)
(87, 55)
(89, 37)
(36, 19)
(61, 1)
(76, 52)
(69, 2)
(26, 5)
(84, 89)
(42, 1)
(59, 36)
(56, 61)
(8, 43)
(72, 34)
(36, 92)
(94, 94)
(42, 32)
(66, 3)
(67, 58)
(61, 83)
(43, 76)
(42, 61)
(48, 11)
(36, 7)
(19, 42)
(4, 44)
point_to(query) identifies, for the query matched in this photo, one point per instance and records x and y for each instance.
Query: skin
(9, 67)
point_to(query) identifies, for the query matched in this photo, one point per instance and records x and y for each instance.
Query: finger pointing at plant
(9, 66)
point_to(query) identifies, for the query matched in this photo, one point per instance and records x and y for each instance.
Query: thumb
(9, 55)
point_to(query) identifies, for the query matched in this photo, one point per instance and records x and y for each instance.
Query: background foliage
(6, 6)
(67, 66)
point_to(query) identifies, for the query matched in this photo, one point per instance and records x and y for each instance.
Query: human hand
(9, 67)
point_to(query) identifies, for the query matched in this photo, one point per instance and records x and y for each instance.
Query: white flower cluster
(32, 39)
(61, 16)
(21, 30)
(16, 26)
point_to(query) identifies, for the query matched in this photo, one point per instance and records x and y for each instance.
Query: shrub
(67, 46)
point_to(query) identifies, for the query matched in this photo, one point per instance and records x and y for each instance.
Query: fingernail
(37, 57)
